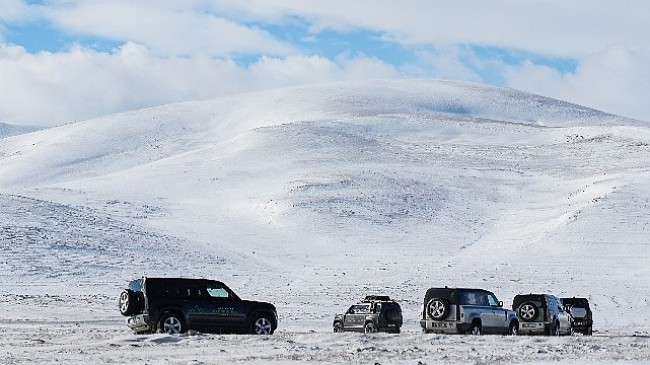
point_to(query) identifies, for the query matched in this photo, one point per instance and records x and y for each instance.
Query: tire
(438, 309)
(171, 324)
(513, 329)
(369, 327)
(129, 302)
(262, 325)
(589, 331)
(556, 329)
(527, 311)
(338, 327)
(475, 329)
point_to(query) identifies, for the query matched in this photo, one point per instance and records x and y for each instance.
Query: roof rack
(375, 298)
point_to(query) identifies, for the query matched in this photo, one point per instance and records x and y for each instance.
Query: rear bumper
(582, 326)
(390, 328)
(431, 326)
(139, 323)
(529, 328)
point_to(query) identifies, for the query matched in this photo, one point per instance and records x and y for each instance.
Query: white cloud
(173, 51)
(55, 88)
(11, 10)
(164, 27)
(551, 27)
(615, 80)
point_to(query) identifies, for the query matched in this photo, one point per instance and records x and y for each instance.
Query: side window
(474, 298)
(466, 298)
(492, 300)
(217, 291)
(359, 309)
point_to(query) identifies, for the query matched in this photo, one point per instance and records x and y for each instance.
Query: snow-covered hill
(313, 196)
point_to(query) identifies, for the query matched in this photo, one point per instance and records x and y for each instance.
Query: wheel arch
(268, 314)
(170, 310)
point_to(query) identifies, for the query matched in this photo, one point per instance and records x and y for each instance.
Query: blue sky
(81, 59)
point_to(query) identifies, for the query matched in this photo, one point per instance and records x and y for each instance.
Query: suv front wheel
(262, 326)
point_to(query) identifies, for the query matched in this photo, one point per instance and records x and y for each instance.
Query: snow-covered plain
(312, 197)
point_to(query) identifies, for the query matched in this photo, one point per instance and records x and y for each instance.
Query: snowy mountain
(313, 196)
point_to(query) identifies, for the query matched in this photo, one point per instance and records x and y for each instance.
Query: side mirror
(500, 304)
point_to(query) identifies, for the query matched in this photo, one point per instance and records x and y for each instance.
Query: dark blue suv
(175, 305)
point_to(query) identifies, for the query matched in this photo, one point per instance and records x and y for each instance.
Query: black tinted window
(173, 289)
(474, 298)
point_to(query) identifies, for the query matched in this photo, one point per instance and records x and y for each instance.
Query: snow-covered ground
(312, 197)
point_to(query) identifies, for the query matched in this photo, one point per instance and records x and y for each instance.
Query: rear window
(537, 299)
(450, 294)
(136, 285)
(391, 305)
(576, 302)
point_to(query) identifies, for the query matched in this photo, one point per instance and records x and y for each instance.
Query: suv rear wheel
(475, 329)
(369, 328)
(171, 323)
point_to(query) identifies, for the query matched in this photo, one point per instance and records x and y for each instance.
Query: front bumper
(138, 323)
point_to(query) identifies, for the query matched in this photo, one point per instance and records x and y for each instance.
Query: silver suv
(372, 314)
(542, 314)
(472, 311)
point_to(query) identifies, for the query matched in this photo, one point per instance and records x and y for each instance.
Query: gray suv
(542, 314)
(471, 311)
(372, 314)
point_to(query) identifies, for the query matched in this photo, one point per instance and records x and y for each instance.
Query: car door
(499, 318)
(197, 303)
(555, 304)
(228, 314)
(355, 317)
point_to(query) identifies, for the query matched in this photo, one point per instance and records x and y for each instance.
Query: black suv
(468, 311)
(581, 313)
(373, 313)
(174, 305)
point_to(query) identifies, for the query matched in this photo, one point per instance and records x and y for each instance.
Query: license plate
(528, 325)
(440, 325)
